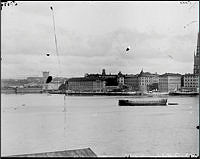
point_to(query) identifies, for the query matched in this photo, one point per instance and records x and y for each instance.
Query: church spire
(198, 45)
(196, 69)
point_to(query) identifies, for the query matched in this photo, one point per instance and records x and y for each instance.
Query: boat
(158, 102)
(184, 93)
(172, 103)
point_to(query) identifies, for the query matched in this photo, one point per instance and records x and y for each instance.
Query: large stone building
(131, 81)
(120, 79)
(97, 83)
(147, 80)
(190, 82)
(113, 82)
(196, 69)
(85, 84)
(169, 82)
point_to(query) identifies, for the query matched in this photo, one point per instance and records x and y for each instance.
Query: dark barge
(160, 102)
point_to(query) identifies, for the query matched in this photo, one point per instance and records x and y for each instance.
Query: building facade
(190, 82)
(196, 69)
(84, 84)
(169, 82)
(132, 82)
(113, 82)
(120, 79)
(147, 81)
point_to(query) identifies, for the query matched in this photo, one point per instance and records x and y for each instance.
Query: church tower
(196, 70)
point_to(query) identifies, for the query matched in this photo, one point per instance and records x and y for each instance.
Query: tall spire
(141, 72)
(196, 69)
(198, 45)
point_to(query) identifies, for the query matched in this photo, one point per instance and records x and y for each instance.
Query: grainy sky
(94, 35)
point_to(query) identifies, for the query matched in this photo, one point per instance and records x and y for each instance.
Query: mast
(55, 38)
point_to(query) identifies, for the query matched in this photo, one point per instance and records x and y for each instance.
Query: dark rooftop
(189, 74)
(146, 74)
(76, 79)
(87, 152)
(171, 74)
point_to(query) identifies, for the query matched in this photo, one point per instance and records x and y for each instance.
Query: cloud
(94, 36)
(91, 53)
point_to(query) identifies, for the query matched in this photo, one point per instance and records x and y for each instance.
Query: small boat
(143, 102)
(184, 93)
(172, 103)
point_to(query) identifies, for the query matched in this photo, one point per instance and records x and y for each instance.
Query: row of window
(191, 80)
(191, 83)
(187, 84)
(190, 86)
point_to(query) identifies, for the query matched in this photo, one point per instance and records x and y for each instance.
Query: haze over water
(33, 123)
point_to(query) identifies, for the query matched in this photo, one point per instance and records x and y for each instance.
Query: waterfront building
(103, 72)
(97, 82)
(85, 84)
(196, 69)
(132, 82)
(120, 79)
(147, 80)
(113, 82)
(169, 82)
(102, 76)
(190, 82)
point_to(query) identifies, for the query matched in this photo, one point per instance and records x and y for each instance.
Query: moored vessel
(158, 102)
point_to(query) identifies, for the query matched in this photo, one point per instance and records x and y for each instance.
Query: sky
(94, 35)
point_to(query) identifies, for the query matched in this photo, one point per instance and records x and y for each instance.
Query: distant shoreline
(89, 93)
(11, 91)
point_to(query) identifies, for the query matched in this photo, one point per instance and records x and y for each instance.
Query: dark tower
(196, 57)
(103, 72)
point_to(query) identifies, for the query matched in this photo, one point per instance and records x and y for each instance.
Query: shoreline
(98, 93)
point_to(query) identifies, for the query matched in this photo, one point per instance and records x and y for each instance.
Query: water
(34, 123)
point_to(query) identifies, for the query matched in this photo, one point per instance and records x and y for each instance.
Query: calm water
(34, 123)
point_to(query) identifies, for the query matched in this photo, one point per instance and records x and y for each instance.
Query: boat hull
(161, 102)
